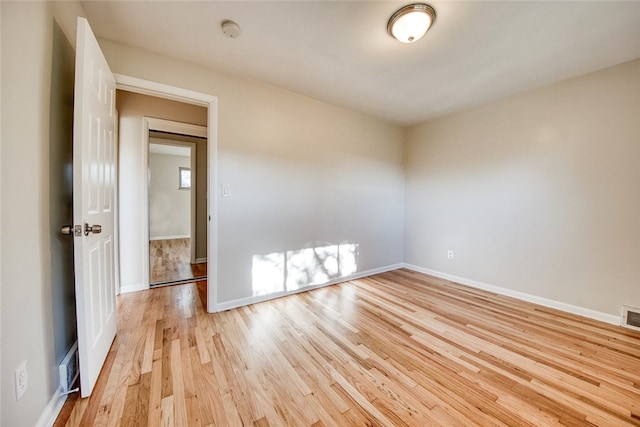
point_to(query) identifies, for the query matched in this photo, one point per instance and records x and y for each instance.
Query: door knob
(95, 229)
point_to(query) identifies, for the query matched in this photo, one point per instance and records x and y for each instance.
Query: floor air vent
(631, 317)
(68, 369)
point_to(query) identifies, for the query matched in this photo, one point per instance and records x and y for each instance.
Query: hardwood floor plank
(76, 415)
(147, 359)
(155, 394)
(179, 397)
(365, 405)
(167, 412)
(315, 376)
(395, 349)
(129, 414)
(170, 261)
(193, 412)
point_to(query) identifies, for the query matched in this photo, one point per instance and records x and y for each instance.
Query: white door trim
(176, 127)
(146, 87)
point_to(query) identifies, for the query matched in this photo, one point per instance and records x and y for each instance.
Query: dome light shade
(411, 22)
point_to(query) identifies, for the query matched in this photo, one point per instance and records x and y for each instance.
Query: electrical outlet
(450, 255)
(20, 376)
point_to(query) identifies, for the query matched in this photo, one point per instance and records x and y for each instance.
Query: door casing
(146, 87)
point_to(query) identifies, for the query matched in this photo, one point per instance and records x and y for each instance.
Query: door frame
(147, 87)
(187, 129)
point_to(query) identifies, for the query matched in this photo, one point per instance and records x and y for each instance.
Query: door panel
(94, 180)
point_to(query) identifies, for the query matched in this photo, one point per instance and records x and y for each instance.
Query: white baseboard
(201, 260)
(135, 287)
(241, 302)
(574, 309)
(170, 237)
(52, 410)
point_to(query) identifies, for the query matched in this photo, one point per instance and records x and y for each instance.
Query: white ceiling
(340, 52)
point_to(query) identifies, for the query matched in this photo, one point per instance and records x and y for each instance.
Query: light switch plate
(21, 380)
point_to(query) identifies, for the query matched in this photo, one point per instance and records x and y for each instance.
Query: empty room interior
(319, 215)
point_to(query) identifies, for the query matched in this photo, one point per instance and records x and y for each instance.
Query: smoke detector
(230, 29)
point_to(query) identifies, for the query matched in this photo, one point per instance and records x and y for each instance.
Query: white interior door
(94, 180)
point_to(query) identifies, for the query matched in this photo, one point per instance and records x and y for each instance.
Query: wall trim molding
(52, 410)
(180, 236)
(241, 302)
(558, 305)
(201, 260)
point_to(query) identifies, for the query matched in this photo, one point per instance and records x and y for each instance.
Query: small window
(184, 178)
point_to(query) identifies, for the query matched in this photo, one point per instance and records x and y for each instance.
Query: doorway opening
(177, 209)
(134, 222)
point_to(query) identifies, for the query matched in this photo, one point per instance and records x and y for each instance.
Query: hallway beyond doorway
(170, 262)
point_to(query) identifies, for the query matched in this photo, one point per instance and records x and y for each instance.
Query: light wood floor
(395, 349)
(170, 261)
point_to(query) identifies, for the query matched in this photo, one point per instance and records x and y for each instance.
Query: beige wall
(301, 173)
(132, 109)
(537, 193)
(27, 312)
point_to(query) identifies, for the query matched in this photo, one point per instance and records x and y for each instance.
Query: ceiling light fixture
(411, 22)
